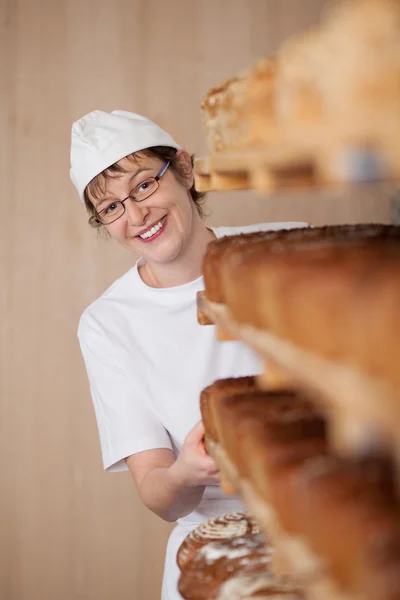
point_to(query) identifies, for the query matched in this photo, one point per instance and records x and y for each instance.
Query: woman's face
(169, 209)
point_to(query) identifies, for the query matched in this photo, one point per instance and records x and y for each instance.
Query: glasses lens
(145, 189)
(111, 213)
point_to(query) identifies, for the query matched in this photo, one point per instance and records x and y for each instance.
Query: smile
(156, 229)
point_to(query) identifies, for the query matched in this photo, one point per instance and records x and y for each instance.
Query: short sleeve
(126, 423)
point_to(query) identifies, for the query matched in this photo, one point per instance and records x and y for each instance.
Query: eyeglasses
(141, 192)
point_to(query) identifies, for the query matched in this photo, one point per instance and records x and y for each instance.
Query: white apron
(209, 508)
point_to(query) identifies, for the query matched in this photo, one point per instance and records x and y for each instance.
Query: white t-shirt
(147, 361)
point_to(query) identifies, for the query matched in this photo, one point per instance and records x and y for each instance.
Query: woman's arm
(171, 487)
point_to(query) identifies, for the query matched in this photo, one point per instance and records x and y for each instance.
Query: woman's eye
(111, 208)
(143, 186)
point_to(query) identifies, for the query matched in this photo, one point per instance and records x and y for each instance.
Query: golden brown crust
(259, 105)
(286, 416)
(228, 526)
(218, 249)
(216, 562)
(221, 113)
(282, 429)
(349, 511)
(239, 113)
(212, 97)
(315, 292)
(262, 586)
(212, 395)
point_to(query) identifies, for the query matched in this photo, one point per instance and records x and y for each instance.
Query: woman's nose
(136, 212)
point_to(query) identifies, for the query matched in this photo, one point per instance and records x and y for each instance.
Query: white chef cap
(100, 139)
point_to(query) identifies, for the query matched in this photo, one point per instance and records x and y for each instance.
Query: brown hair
(97, 185)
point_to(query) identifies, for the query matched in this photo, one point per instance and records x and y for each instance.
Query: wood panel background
(67, 530)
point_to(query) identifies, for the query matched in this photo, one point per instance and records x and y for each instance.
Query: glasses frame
(157, 178)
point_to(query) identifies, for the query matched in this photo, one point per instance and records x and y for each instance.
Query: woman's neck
(185, 269)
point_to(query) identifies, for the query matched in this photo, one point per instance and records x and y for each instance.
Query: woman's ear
(185, 163)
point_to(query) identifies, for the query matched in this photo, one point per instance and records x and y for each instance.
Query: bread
(262, 587)
(349, 511)
(283, 430)
(212, 395)
(222, 115)
(332, 93)
(362, 85)
(301, 106)
(228, 526)
(239, 113)
(216, 562)
(215, 254)
(381, 577)
(320, 294)
(285, 415)
(259, 105)
(272, 481)
(219, 250)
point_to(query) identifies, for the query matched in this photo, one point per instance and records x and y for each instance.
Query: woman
(146, 356)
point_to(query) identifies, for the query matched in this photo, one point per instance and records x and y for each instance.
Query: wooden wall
(67, 530)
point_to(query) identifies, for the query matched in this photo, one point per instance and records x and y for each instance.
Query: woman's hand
(194, 467)
(173, 488)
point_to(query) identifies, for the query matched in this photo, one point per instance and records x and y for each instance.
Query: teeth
(153, 230)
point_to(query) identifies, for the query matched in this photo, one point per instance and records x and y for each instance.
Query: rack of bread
(311, 443)
(321, 306)
(323, 111)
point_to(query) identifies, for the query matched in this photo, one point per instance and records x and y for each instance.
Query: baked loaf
(338, 87)
(286, 416)
(262, 587)
(320, 295)
(350, 512)
(231, 525)
(335, 87)
(301, 106)
(262, 242)
(283, 430)
(222, 115)
(240, 112)
(216, 562)
(362, 85)
(212, 395)
(215, 254)
(259, 105)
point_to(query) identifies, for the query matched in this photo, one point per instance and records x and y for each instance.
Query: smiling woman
(146, 356)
